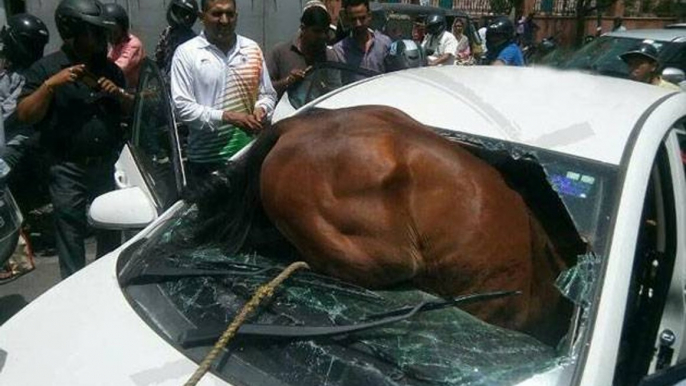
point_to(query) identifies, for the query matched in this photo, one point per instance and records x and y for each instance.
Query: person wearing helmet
(288, 62)
(501, 50)
(75, 97)
(439, 44)
(644, 66)
(126, 50)
(23, 41)
(362, 47)
(181, 15)
(405, 53)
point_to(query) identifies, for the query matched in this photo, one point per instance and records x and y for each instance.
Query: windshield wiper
(207, 336)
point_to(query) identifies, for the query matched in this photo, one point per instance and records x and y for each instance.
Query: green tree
(500, 7)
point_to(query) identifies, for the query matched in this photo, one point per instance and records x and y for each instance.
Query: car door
(151, 158)
(654, 329)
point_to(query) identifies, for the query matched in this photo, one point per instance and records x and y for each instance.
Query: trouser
(28, 176)
(72, 187)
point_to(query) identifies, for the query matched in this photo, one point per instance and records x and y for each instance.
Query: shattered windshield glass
(190, 295)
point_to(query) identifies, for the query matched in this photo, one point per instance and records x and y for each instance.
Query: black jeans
(72, 187)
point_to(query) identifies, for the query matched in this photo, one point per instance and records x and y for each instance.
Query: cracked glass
(184, 291)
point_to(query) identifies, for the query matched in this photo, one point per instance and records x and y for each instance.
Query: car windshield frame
(151, 299)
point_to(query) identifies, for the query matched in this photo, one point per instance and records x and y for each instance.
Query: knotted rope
(265, 291)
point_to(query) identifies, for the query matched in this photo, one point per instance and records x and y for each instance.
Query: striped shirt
(205, 82)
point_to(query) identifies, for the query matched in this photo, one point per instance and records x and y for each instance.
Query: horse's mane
(229, 204)
(229, 200)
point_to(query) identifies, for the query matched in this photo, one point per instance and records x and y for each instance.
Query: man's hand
(260, 114)
(67, 75)
(110, 87)
(247, 122)
(297, 74)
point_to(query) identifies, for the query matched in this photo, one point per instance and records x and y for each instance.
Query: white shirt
(446, 44)
(198, 80)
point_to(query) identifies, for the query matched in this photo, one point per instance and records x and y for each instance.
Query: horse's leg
(550, 313)
(360, 258)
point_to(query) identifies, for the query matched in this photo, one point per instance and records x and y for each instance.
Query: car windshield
(602, 55)
(190, 294)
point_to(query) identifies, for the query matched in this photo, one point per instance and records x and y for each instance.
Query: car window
(185, 290)
(324, 78)
(676, 56)
(602, 55)
(153, 141)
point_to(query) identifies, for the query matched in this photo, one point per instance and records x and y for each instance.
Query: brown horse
(371, 196)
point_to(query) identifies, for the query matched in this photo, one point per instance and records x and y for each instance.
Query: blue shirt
(511, 55)
(347, 51)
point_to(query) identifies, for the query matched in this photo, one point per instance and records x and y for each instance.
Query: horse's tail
(230, 198)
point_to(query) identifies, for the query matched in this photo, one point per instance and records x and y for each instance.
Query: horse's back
(365, 173)
(370, 195)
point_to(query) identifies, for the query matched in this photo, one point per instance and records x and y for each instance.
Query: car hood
(73, 337)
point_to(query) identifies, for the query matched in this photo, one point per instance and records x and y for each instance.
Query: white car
(147, 313)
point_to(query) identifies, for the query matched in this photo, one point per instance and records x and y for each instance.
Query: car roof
(579, 114)
(665, 34)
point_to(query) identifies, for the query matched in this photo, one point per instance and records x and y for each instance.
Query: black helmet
(500, 26)
(435, 24)
(117, 14)
(182, 13)
(72, 16)
(646, 50)
(24, 39)
(404, 54)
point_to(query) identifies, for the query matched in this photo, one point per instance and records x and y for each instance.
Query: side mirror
(674, 75)
(122, 209)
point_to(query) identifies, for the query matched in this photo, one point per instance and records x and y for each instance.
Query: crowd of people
(66, 110)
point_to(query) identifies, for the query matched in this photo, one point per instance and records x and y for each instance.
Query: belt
(91, 160)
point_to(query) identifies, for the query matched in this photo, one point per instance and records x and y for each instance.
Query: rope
(265, 291)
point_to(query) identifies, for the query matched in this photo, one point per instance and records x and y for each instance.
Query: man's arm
(266, 96)
(130, 56)
(441, 59)
(449, 48)
(32, 108)
(506, 57)
(160, 53)
(184, 98)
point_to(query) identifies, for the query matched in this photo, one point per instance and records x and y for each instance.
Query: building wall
(265, 21)
(563, 27)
